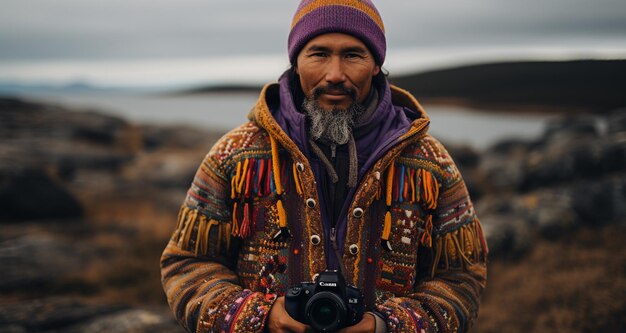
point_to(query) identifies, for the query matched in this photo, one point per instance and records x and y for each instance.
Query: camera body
(327, 304)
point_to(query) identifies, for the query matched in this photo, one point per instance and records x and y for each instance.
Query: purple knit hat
(358, 18)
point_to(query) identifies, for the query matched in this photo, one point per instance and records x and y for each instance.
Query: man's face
(336, 70)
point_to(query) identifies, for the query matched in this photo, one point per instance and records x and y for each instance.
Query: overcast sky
(159, 42)
(122, 29)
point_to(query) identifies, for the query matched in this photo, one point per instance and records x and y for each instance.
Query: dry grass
(131, 271)
(125, 269)
(575, 284)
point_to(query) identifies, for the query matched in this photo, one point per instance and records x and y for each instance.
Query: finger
(301, 328)
(296, 326)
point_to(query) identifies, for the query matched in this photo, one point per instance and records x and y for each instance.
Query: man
(335, 170)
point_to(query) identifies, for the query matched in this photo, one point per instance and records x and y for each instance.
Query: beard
(334, 125)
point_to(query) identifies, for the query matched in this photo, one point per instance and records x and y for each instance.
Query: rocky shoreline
(87, 203)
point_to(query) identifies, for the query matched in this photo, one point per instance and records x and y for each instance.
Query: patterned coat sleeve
(197, 265)
(446, 298)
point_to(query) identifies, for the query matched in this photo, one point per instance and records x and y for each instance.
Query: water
(228, 110)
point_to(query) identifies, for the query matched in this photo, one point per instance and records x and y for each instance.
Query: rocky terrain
(88, 201)
(554, 212)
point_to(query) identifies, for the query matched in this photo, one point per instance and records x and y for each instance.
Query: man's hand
(279, 320)
(366, 325)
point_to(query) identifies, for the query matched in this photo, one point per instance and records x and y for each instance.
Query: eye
(318, 55)
(353, 56)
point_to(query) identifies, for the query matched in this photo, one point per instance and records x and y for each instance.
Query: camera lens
(325, 311)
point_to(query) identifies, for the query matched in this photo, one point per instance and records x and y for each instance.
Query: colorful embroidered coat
(251, 227)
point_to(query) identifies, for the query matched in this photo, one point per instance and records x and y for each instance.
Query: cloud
(82, 29)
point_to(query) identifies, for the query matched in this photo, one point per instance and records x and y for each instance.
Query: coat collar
(270, 95)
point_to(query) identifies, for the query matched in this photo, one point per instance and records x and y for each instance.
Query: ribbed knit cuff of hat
(357, 18)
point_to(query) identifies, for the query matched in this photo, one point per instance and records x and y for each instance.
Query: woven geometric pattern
(249, 229)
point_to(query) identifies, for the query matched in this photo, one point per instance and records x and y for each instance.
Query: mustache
(334, 87)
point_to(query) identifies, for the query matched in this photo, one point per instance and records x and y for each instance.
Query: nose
(334, 71)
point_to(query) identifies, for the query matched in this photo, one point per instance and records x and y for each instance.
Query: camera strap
(333, 242)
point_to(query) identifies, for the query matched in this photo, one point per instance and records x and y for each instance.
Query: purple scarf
(376, 136)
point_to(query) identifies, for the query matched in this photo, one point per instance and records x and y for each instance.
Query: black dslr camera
(327, 304)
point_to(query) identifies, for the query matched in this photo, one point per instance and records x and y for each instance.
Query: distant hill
(583, 85)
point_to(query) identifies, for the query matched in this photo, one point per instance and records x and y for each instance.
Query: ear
(376, 70)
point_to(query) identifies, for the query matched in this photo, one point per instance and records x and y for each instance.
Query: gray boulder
(34, 262)
(67, 315)
(572, 149)
(42, 136)
(616, 122)
(601, 202)
(33, 194)
(131, 320)
(508, 236)
(48, 314)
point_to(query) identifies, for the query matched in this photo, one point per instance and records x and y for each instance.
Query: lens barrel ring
(326, 311)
